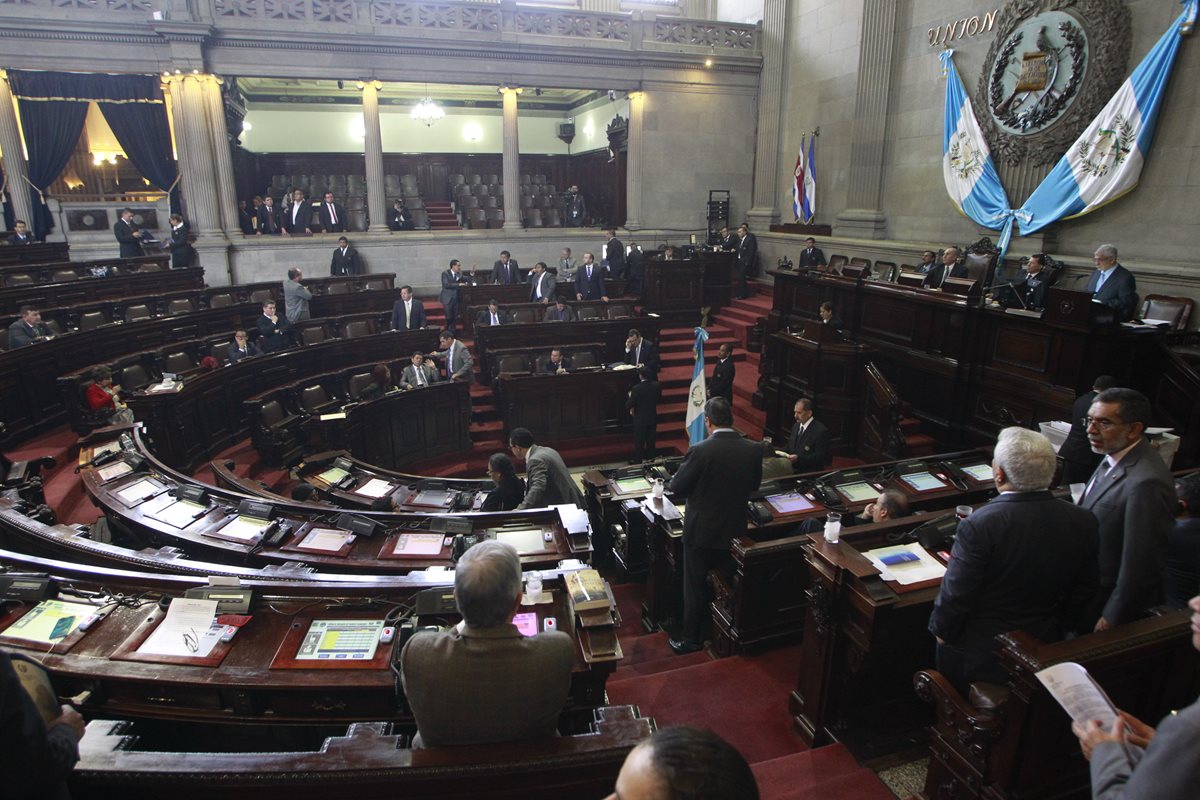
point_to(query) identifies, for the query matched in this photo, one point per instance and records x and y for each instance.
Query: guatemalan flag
(694, 421)
(804, 188)
(971, 178)
(1106, 160)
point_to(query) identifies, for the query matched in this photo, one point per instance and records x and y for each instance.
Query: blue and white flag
(1106, 160)
(798, 184)
(694, 421)
(971, 178)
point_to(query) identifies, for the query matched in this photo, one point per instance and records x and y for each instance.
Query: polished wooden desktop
(111, 287)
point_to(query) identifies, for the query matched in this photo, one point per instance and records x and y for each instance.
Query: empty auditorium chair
(220, 351)
(520, 315)
(480, 190)
(356, 202)
(495, 217)
(526, 179)
(551, 218)
(539, 179)
(357, 383)
(512, 363)
(488, 202)
(533, 218)
(588, 312)
(53, 326)
(19, 279)
(619, 310)
(476, 180)
(177, 362)
(457, 180)
(885, 270)
(358, 328)
(469, 201)
(261, 296)
(179, 306)
(357, 220)
(91, 320)
(63, 275)
(493, 178)
(526, 201)
(220, 300)
(583, 358)
(313, 335)
(313, 398)
(476, 218)
(133, 377)
(137, 311)
(421, 220)
(414, 203)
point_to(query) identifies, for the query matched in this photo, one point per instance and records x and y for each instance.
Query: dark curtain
(145, 136)
(52, 129)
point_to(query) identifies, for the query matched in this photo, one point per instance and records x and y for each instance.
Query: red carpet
(827, 772)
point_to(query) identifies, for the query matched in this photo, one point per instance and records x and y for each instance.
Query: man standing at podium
(1111, 284)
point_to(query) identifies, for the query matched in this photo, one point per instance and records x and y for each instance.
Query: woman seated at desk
(509, 491)
(381, 383)
(105, 398)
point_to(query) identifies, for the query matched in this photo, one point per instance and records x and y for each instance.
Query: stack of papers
(374, 488)
(905, 564)
(573, 518)
(187, 630)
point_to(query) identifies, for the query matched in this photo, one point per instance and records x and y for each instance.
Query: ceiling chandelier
(427, 111)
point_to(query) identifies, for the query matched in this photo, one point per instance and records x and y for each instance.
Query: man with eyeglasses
(1111, 284)
(1079, 462)
(1133, 498)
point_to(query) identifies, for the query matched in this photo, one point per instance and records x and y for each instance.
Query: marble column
(633, 162)
(222, 160)
(765, 204)
(863, 217)
(512, 160)
(193, 147)
(16, 170)
(373, 150)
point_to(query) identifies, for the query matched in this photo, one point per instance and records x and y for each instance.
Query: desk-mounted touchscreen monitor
(923, 481)
(859, 492)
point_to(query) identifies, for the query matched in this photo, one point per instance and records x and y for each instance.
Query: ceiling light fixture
(427, 111)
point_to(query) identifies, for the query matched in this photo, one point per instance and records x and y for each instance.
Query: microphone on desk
(1020, 299)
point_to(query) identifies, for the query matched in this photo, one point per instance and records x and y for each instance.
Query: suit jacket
(548, 368)
(269, 220)
(721, 384)
(615, 254)
(1183, 562)
(21, 335)
(507, 495)
(717, 477)
(813, 258)
(648, 355)
(730, 242)
(399, 317)
(1119, 292)
(1032, 293)
(400, 220)
(327, 223)
(1135, 504)
(566, 268)
(1165, 770)
(593, 288)
(479, 685)
(547, 481)
(295, 301)
(554, 315)
(1023, 561)
(182, 252)
(643, 401)
(251, 350)
(273, 335)
(548, 285)
(450, 283)
(503, 276)
(1075, 448)
(812, 448)
(747, 254)
(460, 366)
(485, 317)
(36, 760)
(348, 264)
(408, 376)
(303, 216)
(937, 276)
(21, 240)
(130, 246)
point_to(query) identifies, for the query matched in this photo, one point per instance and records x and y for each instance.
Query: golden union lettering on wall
(960, 28)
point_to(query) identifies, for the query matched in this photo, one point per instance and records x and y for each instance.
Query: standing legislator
(1079, 462)
(716, 478)
(128, 235)
(808, 445)
(747, 257)
(1112, 285)
(408, 313)
(614, 255)
(333, 216)
(548, 483)
(506, 270)
(452, 279)
(542, 285)
(643, 408)
(346, 260)
(589, 280)
(724, 371)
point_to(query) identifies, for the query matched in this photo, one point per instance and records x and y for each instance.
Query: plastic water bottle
(833, 527)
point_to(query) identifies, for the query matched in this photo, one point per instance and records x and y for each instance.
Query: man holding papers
(1024, 561)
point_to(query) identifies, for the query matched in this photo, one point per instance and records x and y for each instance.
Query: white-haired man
(1024, 561)
(482, 681)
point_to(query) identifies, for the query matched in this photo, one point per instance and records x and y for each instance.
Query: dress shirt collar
(1112, 459)
(504, 631)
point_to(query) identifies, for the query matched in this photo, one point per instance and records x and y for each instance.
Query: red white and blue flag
(804, 190)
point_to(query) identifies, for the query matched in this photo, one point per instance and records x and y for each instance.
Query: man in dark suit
(640, 352)
(548, 482)
(542, 285)
(346, 260)
(493, 315)
(272, 329)
(729, 239)
(560, 313)
(128, 235)
(574, 208)
(21, 235)
(452, 279)
(928, 263)
(1079, 462)
(505, 270)
(28, 329)
(408, 314)
(483, 681)
(808, 445)
(721, 383)
(557, 364)
(333, 215)
(828, 317)
(1024, 561)
(242, 347)
(747, 257)
(269, 221)
(716, 478)
(1112, 285)
(811, 257)
(1133, 497)
(589, 280)
(614, 255)
(183, 254)
(635, 269)
(1030, 291)
(298, 215)
(400, 218)
(948, 268)
(642, 405)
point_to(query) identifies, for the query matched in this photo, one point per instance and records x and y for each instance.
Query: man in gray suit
(548, 483)
(418, 373)
(1133, 761)
(295, 297)
(482, 681)
(1132, 496)
(542, 285)
(716, 477)
(459, 364)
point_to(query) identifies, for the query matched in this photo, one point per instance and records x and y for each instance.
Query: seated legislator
(38, 755)
(459, 364)
(1024, 561)
(272, 330)
(20, 235)
(683, 763)
(1030, 291)
(103, 397)
(808, 444)
(828, 317)
(543, 285)
(482, 681)
(28, 330)
(418, 373)
(509, 491)
(1111, 284)
(928, 263)
(560, 313)
(1134, 761)
(381, 383)
(949, 268)
(408, 313)
(493, 315)
(558, 363)
(1183, 544)
(641, 353)
(891, 504)
(242, 347)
